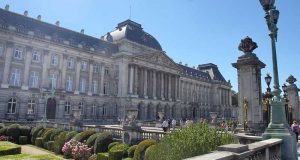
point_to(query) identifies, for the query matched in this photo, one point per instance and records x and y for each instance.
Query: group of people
(168, 123)
(295, 128)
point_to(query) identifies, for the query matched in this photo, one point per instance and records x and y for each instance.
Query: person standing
(295, 128)
(165, 125)
(173, 124)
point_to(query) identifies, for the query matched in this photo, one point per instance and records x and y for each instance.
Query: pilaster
(91, 69)
(8, 58)
(26, 68)
(78, 64)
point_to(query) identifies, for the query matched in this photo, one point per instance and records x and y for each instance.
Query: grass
(30, 157)
(4, 145)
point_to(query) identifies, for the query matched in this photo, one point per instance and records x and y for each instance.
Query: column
(59, 76)
(176, 88)
(145, 83)
(135, 80)
(169, 87)
(46, 61)
(63, 72)
(78, 63)
(27, 61)
(8, 58)
(102, 79)
(154, 84)
(229, 94)
(131, 75)
(162, 86)
(91, 70)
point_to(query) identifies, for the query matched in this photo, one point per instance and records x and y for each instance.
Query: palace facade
(47, 71)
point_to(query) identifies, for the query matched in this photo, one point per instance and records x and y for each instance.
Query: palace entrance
(51, 108)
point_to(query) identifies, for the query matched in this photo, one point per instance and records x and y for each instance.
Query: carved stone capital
(247, 45)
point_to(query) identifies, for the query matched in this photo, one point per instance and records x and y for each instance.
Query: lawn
(30, 157)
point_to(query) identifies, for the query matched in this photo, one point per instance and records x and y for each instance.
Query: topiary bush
(194, 140)
(91, 140)
(102, 156)
(93, 157)
(50, 145)
(46, 137)
(76, 137)
(70, 135)
(2, 125)
(8, 148)
(139, 152)
(85, 135)
(3, 131)
(102, 142)
(118, 151)
(131, 150)
(148, 152)
(39, 142)
(59, 142)
(34, 133)
(42, 132)
(25, 130)
(55, 133)
(23, 139)
(14, 132)
(112, 144)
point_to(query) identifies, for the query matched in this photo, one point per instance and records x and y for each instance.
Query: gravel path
(30, 149)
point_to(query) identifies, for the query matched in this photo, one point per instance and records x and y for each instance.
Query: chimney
(57, 23)
(7, 7)
(82, 31)
(39, 17)
(25, 13)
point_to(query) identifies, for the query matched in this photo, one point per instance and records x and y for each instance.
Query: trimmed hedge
(115, 155)
(91, 140)
(3, 131)
(59, 142)
(46, 137)
(76, 137)
(25, 130)
(148, 152)
(102, 142)
(8, 148)
(50, 145)
(102, 156)
(23, 140)
(34, 133)
(39, 142)
(85, 135)
(118, 151)
(2, 125)
(93, 157)
(112, 144)
(139, 152)
(14, 131)
(131, 150)
(55, 133)
(70, 135)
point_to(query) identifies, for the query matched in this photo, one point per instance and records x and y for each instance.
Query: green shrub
(102, 142)
(34, 133)
(128, 158)
(42, 132)
(55, 133)
(85, 135)
(112, 144)
(50, 145)
(59, 142)
(102, 156)
(115, 155)
(2, 125)
(118, 151)
(91, 140)
(13, 131)
(70, 135)
(76, 137)
(39, 142)
(46, 136)
(139, 152)
(25, 130)
(23, 139)
(3, 131)
(194, 140)
(148, 152)
(131, 150)
(93, 157)
(8, 148)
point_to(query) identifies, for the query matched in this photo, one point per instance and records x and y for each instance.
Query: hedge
(46, 137)
(102, 156)
(59, 142)
(91, 140)
(3, 131)
(139, 152)
(118, 151)
(34, 133)
(23, 139)
(131, 150)
(76, 137)
(102, 142)
(84, 135)
(25, 130)
(148, 152)
(39, 142)
(93, 157)
(8, 148)
(112, 144)
(13, 131)
(55, 133)
(2, 125)
(70, 135)
(50, 145)
(115, 155)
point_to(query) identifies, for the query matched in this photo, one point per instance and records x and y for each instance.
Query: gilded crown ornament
(247, 45)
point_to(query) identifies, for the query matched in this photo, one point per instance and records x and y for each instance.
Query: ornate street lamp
(267, 98)
(278, 127)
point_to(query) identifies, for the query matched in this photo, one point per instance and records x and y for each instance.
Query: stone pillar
(162, 86)
(63, 72)
(46, 61)
(102, 79)
(131, 76)
(8, 58)
(176, 88)
(78, 64)
(154, 84)
(293, 97)
(27, 61)
(169, 87)
(145, 83)
(91, 70)
(135, 89)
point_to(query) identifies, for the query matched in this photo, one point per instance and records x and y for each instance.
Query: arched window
(67, 107)
(31, 106)
(11, 107)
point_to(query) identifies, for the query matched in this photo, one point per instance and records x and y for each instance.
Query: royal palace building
(47, 71)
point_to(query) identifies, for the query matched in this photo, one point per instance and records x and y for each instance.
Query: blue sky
(190, 31)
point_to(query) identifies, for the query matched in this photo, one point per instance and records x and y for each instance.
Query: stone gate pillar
(249, 85)
(293, 97)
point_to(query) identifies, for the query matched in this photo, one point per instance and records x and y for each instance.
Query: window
(95, 87)
(70, 63)
(54, 59)
(18, 53)
(81, 106)
(36, 57)
(104, 88)
(34, 80)
(94, 109)
(106, 72)
(31, 106)
(83, 65)
(52, 80)
(1, 50)
(15, 77)
(96, 68)
(11, 107)
(82, 85)
(67, 107)
(69, 83)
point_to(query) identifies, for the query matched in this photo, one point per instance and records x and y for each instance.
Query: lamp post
(268, 96)
(277, 127)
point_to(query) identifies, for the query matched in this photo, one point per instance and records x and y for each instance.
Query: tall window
(94, 109)
(82, 85)
(15, 77)
(83, 65)
(96, 68)
(54, 59)
(70, 63)
(36, 57)
(95, 87)
(11, 107)
(52, 80)
(106, 71)
(67, 107)
(69, 83)
(1, 50)
(31, 106)
(81, 106)
(18, 54)
(105, 88)
(34, 80)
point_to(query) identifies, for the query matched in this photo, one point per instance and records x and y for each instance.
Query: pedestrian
(165, 125)
(181, 123)
(295, 128)
(169, 123)
(173, 124)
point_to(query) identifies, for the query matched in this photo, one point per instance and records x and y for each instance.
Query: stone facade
(47, 71)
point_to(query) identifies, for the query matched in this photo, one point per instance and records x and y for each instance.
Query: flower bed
(76, 149)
